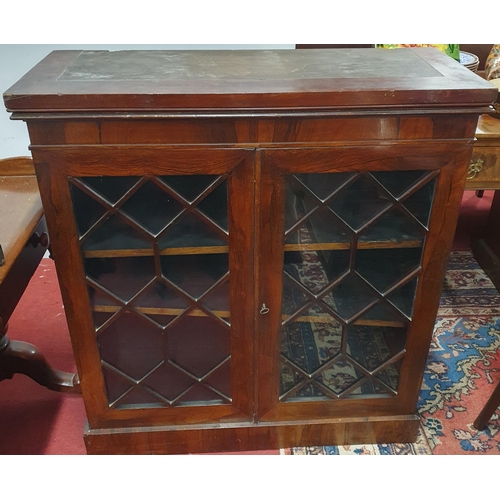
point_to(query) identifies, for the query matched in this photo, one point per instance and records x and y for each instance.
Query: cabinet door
(154, 253)
(353, 248)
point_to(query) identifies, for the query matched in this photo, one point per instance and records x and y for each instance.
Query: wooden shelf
(149, 252)
(166, 311)
(362, 245)
(289, 247)
(160, 311)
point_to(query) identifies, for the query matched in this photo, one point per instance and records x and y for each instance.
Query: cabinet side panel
(57, 204)
(442, 227)
(82, 133)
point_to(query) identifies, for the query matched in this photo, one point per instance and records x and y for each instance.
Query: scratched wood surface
(297, 79)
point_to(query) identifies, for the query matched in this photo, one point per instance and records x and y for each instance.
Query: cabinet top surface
(246, 79)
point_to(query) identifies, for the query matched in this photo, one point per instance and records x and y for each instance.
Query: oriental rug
(463, 367)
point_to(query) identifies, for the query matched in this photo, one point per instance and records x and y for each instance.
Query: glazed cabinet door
(154, 255)
(353, 249)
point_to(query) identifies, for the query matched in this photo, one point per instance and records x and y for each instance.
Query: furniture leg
(486, 250)
(25, 358)
(488, 410)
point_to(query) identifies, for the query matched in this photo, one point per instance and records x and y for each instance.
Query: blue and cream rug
(463, 368)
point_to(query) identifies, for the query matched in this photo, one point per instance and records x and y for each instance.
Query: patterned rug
(462, 370)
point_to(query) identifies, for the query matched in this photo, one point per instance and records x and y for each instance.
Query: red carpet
(36, 421)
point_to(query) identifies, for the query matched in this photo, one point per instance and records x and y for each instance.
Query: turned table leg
(25, 358)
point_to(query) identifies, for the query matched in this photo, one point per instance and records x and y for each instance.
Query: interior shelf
(160, 311)
(165, 311)
(149, 252)
(362, 245)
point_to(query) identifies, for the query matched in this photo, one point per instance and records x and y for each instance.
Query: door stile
(270, 227)
(241, 229)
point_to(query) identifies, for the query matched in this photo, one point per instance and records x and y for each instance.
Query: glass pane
(371, 345)
(131, 345)
(87, 210)
(117, 386)
(217, 300)
(123, 277)
(110, 188)
(383, 315)
(350, 296)
(419, 203)
(139, 398)
(115, 234)
(373, 265)
(215, 206)
(390, 375)
(404, 296)
(104, 306)
(340, 376)
(320, 227)
(160, 303)
(359, 202)
(189, 187)
(324, 185)
(311, 339)
(195, 274)
(157, 250)
(198, 345)
(152, 207)
(191, 231)
(169, 382)
(293, 297)
(348, 242)
(331, 384)
(315, 270)
(394, 227)
(397, 183)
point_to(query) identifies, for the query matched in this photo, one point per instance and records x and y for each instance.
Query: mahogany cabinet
(250, 245)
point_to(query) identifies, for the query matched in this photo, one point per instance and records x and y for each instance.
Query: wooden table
(484, 173)
(484, 170)
(24, 241)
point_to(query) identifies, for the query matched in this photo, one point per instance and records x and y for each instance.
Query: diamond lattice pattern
(353, 247)
(156, 259)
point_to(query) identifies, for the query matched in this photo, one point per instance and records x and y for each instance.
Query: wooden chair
(23, 243)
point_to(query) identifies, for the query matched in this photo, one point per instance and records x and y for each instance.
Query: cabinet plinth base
(245, 437)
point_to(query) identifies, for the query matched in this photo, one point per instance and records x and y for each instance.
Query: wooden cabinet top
(230, 80)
